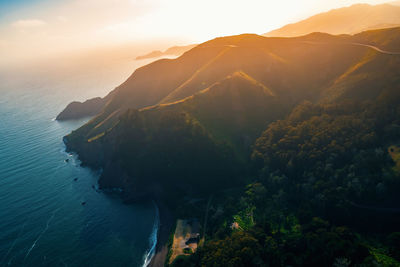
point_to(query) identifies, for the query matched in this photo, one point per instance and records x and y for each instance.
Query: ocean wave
(152, 239)
(41, 234)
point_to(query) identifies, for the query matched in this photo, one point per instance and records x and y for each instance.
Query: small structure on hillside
(235, 226)
(193, 238)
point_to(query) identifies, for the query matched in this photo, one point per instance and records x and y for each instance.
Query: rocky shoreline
(109, 185)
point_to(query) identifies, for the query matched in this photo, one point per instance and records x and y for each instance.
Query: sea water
(50, 211)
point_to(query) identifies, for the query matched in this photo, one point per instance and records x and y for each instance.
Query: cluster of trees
(326, 181)
(316, 243)
(318, 182)
(333, 158)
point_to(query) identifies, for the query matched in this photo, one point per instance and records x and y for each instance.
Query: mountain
(153, 54)
(224, 72)
(284, 147)
(347, 20)
(216, 122)
(395, 3)
(172, 51)
(286, 66)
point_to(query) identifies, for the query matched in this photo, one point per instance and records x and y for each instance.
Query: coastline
(166, 224)
(166, 216)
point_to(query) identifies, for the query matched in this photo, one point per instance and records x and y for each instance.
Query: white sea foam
(153, 238)
(13, 244)
(41, 234)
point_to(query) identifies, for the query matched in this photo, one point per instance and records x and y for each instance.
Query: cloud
(28, 23)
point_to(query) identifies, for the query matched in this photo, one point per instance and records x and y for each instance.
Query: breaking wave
(152, 239)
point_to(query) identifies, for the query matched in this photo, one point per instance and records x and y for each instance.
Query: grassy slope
(287, 66)
(272, 74)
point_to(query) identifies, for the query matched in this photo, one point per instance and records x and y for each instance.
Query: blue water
(42, 220)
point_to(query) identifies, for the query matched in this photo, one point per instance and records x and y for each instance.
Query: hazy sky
(30, 28)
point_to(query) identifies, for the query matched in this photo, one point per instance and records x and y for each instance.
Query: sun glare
(49, 28)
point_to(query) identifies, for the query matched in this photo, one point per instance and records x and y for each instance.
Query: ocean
(50, 211)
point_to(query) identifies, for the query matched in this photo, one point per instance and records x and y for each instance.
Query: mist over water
(42, 219)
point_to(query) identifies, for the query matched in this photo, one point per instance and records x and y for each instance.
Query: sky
(31, 29)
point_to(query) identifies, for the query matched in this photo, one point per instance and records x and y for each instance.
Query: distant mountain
(172, 51)
(347, 20)
(153, 54)
(395, 3)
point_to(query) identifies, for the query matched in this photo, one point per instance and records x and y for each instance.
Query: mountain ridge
(346, 20)
(267, 129)
(278, 63)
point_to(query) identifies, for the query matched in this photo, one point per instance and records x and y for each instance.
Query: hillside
(284, 147)
(347, 20)
(228, 89)
(227, 116)
(286, 66)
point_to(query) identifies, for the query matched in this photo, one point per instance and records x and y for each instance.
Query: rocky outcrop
(77, 110)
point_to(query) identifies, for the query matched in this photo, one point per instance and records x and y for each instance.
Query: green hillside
(288, 145)
(295, 69)
(228, 116)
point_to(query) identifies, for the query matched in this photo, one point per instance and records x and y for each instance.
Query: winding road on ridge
(377, 49)
(357, 44)
(321, 43)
